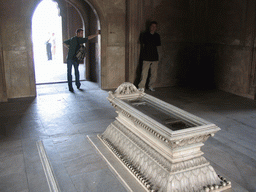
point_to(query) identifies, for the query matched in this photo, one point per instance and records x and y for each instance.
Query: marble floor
(60, 121)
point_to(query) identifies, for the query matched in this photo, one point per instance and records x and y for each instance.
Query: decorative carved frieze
(126, 89)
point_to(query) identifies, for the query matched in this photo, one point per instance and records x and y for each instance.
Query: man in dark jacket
(150, 41)
(73, 44)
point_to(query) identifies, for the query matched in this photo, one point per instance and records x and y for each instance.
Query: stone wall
(16, 48)
(3, 95)
(232, 28)
(113, 72)
(206, 44)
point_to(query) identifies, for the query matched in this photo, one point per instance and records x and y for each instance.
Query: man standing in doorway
(74, 44)
(49, 50)
(150, 40)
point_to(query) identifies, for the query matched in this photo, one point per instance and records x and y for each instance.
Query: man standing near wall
(150, 40)
(73, 45)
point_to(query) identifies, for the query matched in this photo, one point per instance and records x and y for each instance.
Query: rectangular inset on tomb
(167, 119)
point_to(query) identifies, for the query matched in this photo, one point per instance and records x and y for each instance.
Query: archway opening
(46, 21)
(48, 44)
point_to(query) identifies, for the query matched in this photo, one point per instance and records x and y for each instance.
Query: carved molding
(162, 158)
(126, 89)
(154, 171)
(174, 143)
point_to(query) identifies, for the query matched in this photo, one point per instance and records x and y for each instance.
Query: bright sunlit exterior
(47, 43)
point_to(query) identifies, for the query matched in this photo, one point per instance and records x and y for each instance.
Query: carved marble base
(160, 144)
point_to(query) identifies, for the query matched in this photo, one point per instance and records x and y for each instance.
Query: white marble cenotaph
(160, 144)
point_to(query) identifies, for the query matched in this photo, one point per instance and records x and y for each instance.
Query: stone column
(3, 95)
(133, 28)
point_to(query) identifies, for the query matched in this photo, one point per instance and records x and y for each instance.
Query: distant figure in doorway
(53, 40)
(150, 41)
(74, 44)
(49, 49)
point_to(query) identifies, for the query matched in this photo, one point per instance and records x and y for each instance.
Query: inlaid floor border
(51, 179)
(125, 177)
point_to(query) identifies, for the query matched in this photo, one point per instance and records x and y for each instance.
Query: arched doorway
(47, 43)
(74, 11)
(50, 25)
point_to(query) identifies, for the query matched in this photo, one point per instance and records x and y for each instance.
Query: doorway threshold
(56, 82)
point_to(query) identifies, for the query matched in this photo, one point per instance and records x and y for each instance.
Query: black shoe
(78, 86)
(71, 89)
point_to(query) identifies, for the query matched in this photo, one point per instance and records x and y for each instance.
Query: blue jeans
(69, 65)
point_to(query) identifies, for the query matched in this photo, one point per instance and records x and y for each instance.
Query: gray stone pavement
(61, 121)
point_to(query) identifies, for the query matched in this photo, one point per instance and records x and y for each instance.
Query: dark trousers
(49, 51)
(71, 63)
